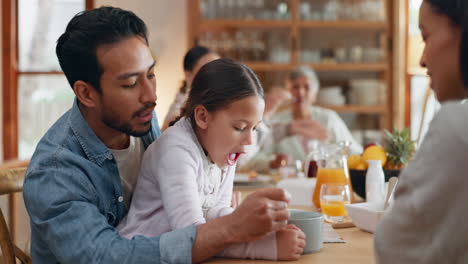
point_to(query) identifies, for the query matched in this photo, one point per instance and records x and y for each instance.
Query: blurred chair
(11, 181)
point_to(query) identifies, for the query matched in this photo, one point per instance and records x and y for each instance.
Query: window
(36, 92)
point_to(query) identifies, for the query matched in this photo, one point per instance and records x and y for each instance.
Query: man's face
(128, 86)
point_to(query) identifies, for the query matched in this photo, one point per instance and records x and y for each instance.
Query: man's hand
(309, 129)
(261, 212)
(290, 243)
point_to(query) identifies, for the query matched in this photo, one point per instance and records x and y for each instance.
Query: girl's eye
(239, 129)
(151, 76)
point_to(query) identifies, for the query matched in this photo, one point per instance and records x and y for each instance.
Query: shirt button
(110, 157)
(120, 199)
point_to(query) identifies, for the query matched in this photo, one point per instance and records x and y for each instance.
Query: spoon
(391, 187)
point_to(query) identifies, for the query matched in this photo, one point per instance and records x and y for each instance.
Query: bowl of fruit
(397, 151)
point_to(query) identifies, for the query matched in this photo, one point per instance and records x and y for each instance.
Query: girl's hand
(290, 243)
(261, 212)
(236, 199)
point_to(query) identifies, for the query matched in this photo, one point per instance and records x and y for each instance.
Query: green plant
(399, 147)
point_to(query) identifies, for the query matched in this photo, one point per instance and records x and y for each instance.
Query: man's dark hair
(76, 48)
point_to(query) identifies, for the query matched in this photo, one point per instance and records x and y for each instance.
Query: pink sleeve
(264, 248)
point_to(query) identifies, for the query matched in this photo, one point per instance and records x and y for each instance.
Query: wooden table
(359, 247)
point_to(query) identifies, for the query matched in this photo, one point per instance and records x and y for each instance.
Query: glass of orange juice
(333, 197)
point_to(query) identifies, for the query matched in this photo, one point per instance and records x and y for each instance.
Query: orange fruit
(362, 165)
(375, 153)
(353, 161)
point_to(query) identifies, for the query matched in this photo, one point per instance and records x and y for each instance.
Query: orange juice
(330, 175)
(334, 208)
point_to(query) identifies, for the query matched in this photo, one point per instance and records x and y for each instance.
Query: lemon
(353, 161)
(375, 153)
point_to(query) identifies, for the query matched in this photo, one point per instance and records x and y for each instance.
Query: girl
(187, 175)
(194, 59)
(427, 223)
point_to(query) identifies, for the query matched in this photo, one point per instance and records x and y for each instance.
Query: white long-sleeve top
(179, 186)
(427, 223)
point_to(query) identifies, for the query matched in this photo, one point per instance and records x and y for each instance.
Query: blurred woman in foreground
(427, 221)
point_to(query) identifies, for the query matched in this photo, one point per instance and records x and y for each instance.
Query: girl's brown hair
(219, 83)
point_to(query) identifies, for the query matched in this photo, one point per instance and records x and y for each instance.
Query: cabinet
(346, 41)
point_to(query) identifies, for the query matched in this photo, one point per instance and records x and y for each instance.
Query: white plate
(243, 178)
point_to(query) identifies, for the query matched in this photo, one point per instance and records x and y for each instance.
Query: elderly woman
(302, 123)
(427, 223)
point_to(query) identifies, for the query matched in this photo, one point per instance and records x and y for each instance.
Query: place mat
(330, 235)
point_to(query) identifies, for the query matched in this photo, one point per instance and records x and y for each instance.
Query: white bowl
(365, 216)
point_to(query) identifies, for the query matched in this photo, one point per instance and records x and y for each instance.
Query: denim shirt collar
(94, 148)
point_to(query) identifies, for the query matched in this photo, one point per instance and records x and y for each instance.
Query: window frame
(11, 73)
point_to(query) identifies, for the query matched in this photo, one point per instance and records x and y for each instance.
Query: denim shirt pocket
(111, 212)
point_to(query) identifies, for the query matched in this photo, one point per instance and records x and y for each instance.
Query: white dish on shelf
(243, 178)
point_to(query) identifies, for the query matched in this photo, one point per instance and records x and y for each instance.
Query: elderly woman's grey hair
(310, 74)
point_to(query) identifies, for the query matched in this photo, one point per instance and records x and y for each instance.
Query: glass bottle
(332, 167)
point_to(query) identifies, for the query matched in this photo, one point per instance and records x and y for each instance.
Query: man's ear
(86, 93)
(201, 116)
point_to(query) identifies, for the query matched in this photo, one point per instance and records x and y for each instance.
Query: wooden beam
(89, 4)
(10, 95)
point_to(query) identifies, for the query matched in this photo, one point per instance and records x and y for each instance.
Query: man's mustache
(144, 108)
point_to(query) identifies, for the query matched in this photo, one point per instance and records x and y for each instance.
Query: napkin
(330, 235)
(301, 190)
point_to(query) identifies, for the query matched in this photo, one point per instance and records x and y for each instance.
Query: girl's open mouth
(232, 158)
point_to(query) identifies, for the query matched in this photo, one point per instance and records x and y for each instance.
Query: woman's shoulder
(447, 130)
(452, 118)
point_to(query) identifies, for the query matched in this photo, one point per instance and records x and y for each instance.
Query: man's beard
(126, 128)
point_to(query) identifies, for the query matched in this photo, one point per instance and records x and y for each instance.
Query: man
(81, 176)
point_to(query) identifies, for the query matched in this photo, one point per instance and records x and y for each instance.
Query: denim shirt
(73, 195)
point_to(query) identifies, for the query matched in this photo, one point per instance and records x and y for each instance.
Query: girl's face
(225, 133)
(441, 53)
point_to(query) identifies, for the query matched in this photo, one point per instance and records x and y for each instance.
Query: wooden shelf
(222, 23)
(359, 109)
(344, 24)
(267, 66)
(349, 66)
(378, 32)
